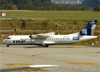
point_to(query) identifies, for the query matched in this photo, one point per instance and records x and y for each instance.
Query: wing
(51, 33)
(33, 67)
(43, 35)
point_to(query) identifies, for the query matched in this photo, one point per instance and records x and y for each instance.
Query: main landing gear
(7, 45)
(45, 45)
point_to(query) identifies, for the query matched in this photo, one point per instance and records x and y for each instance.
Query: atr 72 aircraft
(46, 39)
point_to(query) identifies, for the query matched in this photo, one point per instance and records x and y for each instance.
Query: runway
(69, 58)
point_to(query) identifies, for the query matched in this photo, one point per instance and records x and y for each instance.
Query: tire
(7, 45)
(45, 45)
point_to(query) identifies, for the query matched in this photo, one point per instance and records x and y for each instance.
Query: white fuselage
(54, 39)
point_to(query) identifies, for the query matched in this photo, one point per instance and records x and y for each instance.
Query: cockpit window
(8, 38)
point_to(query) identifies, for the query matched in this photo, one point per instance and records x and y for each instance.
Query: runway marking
(82, 63)
(36, 70)
(41, 57)
(31, 57)
(1, 51)
(17, 64)
(69, 62)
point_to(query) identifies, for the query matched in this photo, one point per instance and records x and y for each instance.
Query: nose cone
(4, 41)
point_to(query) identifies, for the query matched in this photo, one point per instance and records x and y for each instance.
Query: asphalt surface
(69, 58)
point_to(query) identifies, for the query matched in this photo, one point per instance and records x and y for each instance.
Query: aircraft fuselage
(55, 39)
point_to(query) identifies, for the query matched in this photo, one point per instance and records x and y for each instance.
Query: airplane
(33, 67)
(46, 39)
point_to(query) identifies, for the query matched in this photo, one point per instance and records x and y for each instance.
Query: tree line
(47, 5)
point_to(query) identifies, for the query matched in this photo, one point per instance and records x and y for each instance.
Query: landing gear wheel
(45, 45)
(7, 45)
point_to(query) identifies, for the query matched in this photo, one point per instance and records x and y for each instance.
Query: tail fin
(89, 29)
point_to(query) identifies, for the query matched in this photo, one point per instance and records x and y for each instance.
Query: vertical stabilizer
(89, 29)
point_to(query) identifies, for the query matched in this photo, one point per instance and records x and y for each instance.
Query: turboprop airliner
(46, 39)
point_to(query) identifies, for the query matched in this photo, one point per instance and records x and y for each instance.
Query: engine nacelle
(32, 36)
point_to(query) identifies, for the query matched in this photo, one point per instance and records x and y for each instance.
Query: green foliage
(14, 7)
(75, 22)
(97, 8)
(7, 5)
(48, 20)
(23, 24)
(84, 8)
(34, 5)
(91, 3)
(51, 15)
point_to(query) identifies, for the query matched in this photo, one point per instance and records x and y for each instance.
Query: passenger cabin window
(14, 42)
(19, 41)
(8, 38)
